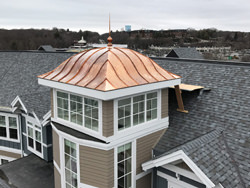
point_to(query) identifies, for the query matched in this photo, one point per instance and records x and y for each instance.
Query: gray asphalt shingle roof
(18, 77)
(189, 53)
(27, 172)
(226, 106)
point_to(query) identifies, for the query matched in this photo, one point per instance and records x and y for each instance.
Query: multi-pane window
(62, 105)
(70, 167)
(34, 137)
(124, 166)
(76, 109)
(13, 128)
(3, 131)
(137, 110)
(8, 127)
(151, 106)
(71, 107)
(124, 113)
(91, 114)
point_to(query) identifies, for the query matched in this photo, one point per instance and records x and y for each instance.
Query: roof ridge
(205, 138)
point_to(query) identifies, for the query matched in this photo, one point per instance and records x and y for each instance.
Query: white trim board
(109, 95)
(18, 99)
(177, 156)
(119, 139)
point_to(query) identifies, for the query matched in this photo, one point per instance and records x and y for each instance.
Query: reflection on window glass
(124, 114)
(124, 166)
(34, 137)
(13, 127)
(91, 114)
(137, 110)
(70, 107)
(70, 165)
(3, 132)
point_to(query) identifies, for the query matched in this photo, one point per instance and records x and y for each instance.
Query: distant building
(127, 28)
(46, 48)
(189, 53)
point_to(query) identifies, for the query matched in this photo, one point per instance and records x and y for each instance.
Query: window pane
(12, 122)
(127, 122)
(138, 98)
(151, 95)
(38, 147)
(121, 124)
(3, 131)
(30, 132)
(73, 165)
(30, 140)
(67, 161)
(121, 169)
(2, 121)
(141, 117)
(127, 166)
(135, 119)
(38, 136)
(128, 110)
(13, 133)
(124, 102)
(121, 183)
(128, 181)
(127, 148)
(91, 114)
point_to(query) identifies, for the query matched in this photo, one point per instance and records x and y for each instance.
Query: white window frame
(75, 126)
(116, 130)
(8, 127)
(62, 161)
(34, 122)
(133, 167)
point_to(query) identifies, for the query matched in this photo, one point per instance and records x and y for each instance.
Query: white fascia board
(179, 155)
(17, 99)
(46, 118)
(108, 95)
(6, 109)
(118, 139)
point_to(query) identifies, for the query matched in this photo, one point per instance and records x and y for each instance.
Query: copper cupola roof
(108, 68)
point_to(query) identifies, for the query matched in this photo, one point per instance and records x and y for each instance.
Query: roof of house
(109, 68)
(18, 77)
(215, 133)
(189, 53)
(46, 48)
(28, 172)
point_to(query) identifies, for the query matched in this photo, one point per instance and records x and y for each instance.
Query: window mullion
(69, 108)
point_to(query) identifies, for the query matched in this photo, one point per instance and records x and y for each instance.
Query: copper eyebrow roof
(108, 68)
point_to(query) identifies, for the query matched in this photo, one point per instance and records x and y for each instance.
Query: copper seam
(91, 67)
(62, 68)
(154, 64)
(143, 64)
(96, 74)
(164, 70)
(117, 74)
(110, 83)
(101, 83)
(84, 64)
(157, 70)
(124, 67)
(74, 64)
(132, 64)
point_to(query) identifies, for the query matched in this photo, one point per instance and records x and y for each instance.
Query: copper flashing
(108, 69)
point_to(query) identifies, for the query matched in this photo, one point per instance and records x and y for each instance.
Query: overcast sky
(148, 14)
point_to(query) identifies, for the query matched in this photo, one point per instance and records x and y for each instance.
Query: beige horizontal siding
(97, 167)
(56, 148)
(144, 182)
(164, 103)
(10, 154)
(144, 148)
(108, 118)
(57, 179)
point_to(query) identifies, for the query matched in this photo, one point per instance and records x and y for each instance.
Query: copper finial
(109, 38)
